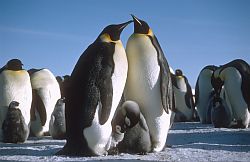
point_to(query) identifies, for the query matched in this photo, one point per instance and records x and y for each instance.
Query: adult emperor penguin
(46, 92)
(149, 82)
(14, 86)
(236, 78)
(96, 86)
(203, 90)
(130, 125)
(15, 130)
(184, 102)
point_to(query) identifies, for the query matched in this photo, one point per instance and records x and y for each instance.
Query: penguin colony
(119, 99)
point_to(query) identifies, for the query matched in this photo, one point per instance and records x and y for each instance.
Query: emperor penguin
(57, 126)
(15, 130)
(235, 76)
(14, 86)
(149, 82)
(96, 86)
(203, 90)
(46, 92)
(131, 125)
(184, 102)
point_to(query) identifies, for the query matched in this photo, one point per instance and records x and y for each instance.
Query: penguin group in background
(57, 125)
(203, 92)
(130, 127)
(149, 82)
(96, 86)
(235, 78)
(14, 86)
(184, 103)
(15, 130)
(46, 92)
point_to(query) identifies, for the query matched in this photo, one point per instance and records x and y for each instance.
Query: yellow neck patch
(106, 38)
(150, 32)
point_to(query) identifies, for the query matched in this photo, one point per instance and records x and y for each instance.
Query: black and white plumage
(235, 77)
(184, 103)
(203, 90)
(96, 87)
(149, 82)
(57, 124)
(14, 86)
(46, 92)
(130, 126)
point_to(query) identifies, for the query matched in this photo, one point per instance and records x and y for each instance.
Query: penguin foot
(74, 151)
(239, 125)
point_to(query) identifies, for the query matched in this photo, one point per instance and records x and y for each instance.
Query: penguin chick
(57, 127)
(14, 128)
(130, 122)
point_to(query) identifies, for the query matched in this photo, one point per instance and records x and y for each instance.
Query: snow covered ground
(185, 142)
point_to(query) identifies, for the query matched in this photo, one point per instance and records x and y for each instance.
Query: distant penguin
(63, 83)
(130, 122)
(149, 82)
(184, 102)
(57, 126)
(96, 86)
(46, 92)
(203, 89)
(15, 130)
(14, 86)
(220, 113)
(235, 76)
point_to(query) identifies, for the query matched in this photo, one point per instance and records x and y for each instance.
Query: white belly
(205, 88)
(143, 87)
(233, 81)
(180, 103)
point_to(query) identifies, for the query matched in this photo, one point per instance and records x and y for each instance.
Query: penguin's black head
(14, 64)
(13, 104)
(127, 117)
(217, 84)
(113, 32)
(140, 26)
(178, 72)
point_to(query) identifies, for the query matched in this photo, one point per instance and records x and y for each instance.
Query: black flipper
(105, 84)
(165, 77)
(37, 104)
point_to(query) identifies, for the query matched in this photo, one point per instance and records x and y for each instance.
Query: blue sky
(192, 33)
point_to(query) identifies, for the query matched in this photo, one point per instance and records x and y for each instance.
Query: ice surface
(185, 142)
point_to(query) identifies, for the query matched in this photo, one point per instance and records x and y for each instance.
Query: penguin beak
(123, 25)
(136, 20)
(140, 26)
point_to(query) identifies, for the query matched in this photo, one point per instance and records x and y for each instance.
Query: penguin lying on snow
(46, 92)
(96, 86)
(131, 128)
(15, 130)
(15, 86)
(149, 82)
